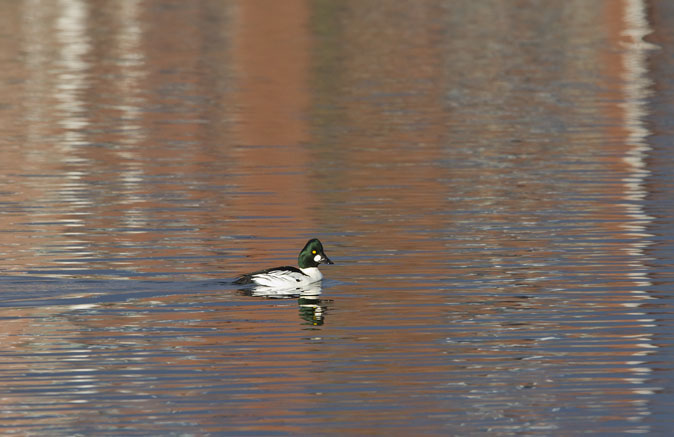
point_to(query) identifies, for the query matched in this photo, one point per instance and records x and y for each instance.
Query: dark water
(492, 179)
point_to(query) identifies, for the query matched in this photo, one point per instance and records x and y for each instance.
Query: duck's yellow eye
(314, 252)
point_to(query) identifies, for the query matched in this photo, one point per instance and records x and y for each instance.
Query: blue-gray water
(492, 179)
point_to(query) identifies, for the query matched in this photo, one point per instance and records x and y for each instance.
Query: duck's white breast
(313, 273)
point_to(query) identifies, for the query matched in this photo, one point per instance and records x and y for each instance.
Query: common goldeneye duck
(287, 276)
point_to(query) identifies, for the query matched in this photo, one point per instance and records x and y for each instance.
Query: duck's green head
(312, 255)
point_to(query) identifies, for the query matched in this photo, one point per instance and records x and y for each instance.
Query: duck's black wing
(248, 277)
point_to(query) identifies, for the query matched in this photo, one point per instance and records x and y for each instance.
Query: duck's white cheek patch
(317, 258)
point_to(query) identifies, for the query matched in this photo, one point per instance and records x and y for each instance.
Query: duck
(288, 276)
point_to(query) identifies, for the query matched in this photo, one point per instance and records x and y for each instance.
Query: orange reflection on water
(270, 49)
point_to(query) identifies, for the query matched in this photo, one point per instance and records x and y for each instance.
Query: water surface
(492, 179)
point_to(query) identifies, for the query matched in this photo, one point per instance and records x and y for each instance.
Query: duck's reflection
(308, 297)
(311, 309)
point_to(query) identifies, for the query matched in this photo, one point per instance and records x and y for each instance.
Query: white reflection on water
(71, 84)
(72, 80)
(636, 91)
(131, 65)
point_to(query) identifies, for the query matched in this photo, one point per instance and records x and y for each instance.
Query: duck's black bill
(327, 260)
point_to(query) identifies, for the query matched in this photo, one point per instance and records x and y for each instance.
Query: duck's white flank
(285, 278)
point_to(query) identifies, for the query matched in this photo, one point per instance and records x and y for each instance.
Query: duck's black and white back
(288, 276)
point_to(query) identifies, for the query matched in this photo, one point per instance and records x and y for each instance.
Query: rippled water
(492, 179)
